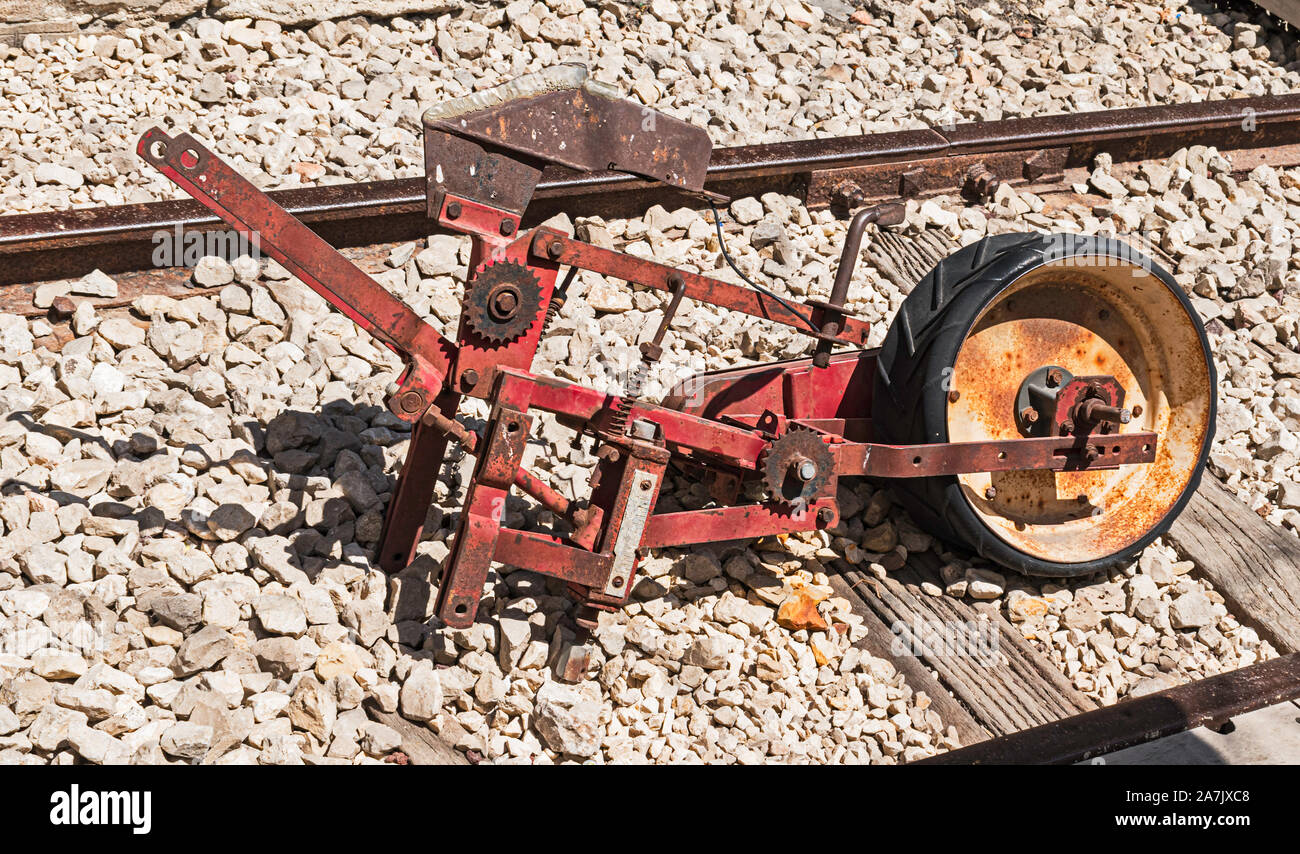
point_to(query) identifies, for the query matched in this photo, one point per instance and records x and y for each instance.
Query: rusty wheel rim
(1091, 316)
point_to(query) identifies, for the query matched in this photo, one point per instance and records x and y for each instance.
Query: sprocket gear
(796, 466)
(502, 301)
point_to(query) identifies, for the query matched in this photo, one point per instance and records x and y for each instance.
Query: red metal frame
(726, 422)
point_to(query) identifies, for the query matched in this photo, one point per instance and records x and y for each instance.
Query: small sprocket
(796, 466)
(502, 301)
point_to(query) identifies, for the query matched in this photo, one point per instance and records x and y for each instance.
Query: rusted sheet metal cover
(560, 116)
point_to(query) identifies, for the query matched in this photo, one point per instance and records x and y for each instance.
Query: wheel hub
(1054, 402)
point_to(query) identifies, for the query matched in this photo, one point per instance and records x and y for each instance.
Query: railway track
(1022, 711)
(1045, 153)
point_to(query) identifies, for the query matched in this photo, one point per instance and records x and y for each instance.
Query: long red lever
(305, 254)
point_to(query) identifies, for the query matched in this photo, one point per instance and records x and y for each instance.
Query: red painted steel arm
(1051, 453)
(681, 429)
(741, 521)
(563, 249)
(428, 355)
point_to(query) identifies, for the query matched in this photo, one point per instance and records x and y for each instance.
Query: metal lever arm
(305, 254)
(559, 247)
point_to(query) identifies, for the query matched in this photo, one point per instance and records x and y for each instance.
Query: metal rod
(1205, 702)
(891, 213)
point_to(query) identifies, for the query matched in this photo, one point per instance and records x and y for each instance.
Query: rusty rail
(844, 171)
(1212, 701)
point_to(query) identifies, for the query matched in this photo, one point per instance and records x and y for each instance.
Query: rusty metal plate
(588, 132)
(631, 527)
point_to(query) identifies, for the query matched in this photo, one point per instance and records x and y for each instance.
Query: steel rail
(844, 171)
(1212, 701)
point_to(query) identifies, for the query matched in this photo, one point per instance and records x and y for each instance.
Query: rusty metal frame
(729, 426)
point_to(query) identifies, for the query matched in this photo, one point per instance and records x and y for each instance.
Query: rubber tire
(909, 403)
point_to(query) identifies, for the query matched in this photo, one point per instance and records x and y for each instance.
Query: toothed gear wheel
(503, 301)
(796, 466)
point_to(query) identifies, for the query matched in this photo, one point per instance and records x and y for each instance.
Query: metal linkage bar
(1056, 453)
(565, 250)
(1212, 701)
(304, 253)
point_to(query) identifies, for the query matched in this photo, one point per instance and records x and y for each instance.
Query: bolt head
(1029, 414)
(411, 401)
(953, 396)
(807, 470)
(507, 227)
(453, 210)
(991, 493)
